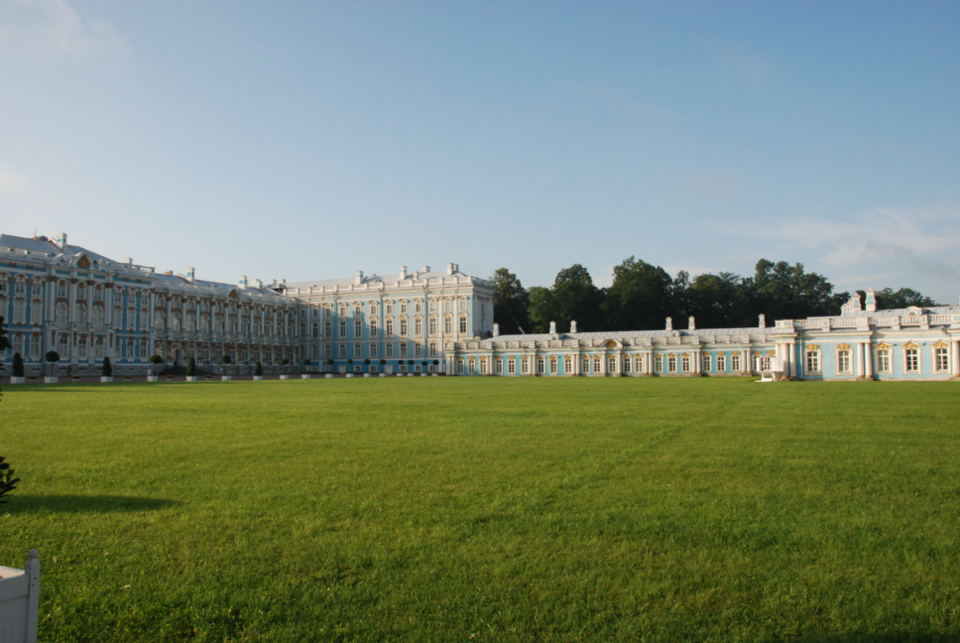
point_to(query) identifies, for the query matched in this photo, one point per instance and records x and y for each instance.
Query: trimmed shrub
(258, 369)
(350, 361)
(284, 361)
(7, 482)
(191, 367)
(366, 361)
(225, 358)
(155, 359)
(383, 361)
(107, 368)
(17, 367)
(329, 360)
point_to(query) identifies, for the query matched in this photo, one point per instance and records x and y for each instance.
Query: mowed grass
(489, 509)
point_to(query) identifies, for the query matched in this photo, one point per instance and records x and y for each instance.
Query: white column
(859, 355)
(868, 360)
(955, 358)
(746, 367)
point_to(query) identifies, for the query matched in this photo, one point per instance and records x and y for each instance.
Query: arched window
(596, 364)
(568, 365)
(511, 365)
(554, 365)
(64, 346)
(541, 363)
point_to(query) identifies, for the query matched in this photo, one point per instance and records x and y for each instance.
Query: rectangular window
(941, 359)
(403, 349)
(433, 349)
(596, 364)
(585, 365)
(433, 326)
(722, 362)
(541, 365)
(658, 362)
(389, 308)
(418, 327)
(373, 328)
(568, 365)
(389, 349)
(343, 329)
(483, 365)
(672, 363)
(418, 350)
(511, 366)
(553, 365)
(735, 362)
(883, 360)
(343, 351)
(460, 366)
(448, 326)
(403, 328)
(327, 330)
(627, 364)
(843, 362)
(913, 360)
(463, 325)
(498, 366)
(524, 366)
(358, 328)
(326, 351)
(373, 351)
(707, 363)
(357, 350)
(373, 368)
(685, 364)
(813, 361)
(389, 327)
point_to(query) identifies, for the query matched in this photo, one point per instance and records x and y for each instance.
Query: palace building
(64, 298)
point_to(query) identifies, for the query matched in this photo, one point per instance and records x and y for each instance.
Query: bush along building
(84, 306)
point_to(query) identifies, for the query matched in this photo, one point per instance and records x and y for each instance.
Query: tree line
(642, 296)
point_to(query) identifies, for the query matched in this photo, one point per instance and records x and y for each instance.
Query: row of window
(388, 329)
(884, 360)
(593, 364)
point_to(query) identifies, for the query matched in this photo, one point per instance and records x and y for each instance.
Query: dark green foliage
(155, 359)
(191, 367)
(383, 361)
(4, 342)
(366, 361)
(436, 362)
(350, 361)
(329, 360)
(258, 369)
(410, 361)
(17, 367)
(573, 297)
(284, 361)
(225, 358)
(903, 298)
(306, 362)
(52, 356)
(511, 304)
(7, 482)
(640, 298)
(107, 370)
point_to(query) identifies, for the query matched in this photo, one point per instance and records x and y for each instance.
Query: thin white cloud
(13, 181)
(52, 31)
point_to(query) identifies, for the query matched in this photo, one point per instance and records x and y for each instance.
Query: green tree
(641, 296)
(7, 482)
(724, 300)
(107, 370)
(17, 367)
(511, 302)
(258, 368)
(4, 342)
(903, 298)
(787, 292)
(52, 357)
(191, 367)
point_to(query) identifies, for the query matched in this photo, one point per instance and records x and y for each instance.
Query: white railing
(20, 601)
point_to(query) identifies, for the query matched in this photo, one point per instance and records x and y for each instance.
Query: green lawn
(490, 509)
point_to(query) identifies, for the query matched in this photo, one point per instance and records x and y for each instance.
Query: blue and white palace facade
(64, 298)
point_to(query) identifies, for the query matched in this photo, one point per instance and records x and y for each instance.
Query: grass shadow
(84, 504)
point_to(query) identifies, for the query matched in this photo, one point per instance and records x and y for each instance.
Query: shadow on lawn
(84, 504)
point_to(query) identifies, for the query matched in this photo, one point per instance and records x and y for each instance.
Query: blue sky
(306, 140)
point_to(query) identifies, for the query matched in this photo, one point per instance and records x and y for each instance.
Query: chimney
(691, 323)
(871, 300)
(403, 273)
(449, 268)
(62, 240)
(128, 261)
(243, 282)
(426, 269)
(191, 274)
(359, 276)
(496, 330)
(573, 327)
(763, 321)
(553, 328)
(258, 283)
(669, 323)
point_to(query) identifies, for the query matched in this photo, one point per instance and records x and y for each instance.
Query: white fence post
(20, 602)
